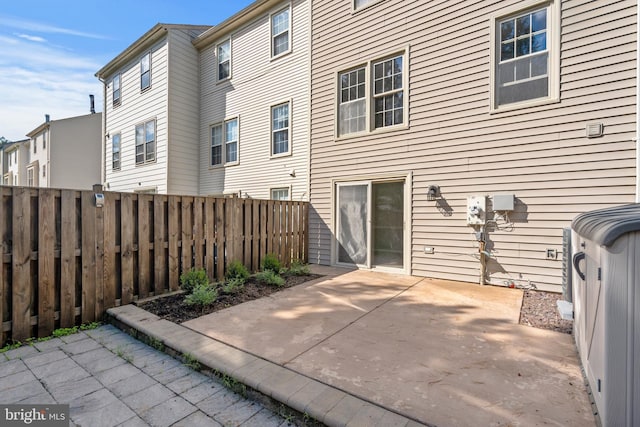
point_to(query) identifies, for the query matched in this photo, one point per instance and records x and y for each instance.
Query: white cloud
(32, 38)
(21, 24)
(38, 79)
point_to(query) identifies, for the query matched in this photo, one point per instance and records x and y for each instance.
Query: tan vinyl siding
(182, 174)
(257, 83)
(138, 107)
(540, 154)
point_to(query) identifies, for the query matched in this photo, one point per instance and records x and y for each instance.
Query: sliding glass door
(370, 223)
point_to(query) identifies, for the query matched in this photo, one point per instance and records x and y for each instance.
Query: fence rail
(64, 261)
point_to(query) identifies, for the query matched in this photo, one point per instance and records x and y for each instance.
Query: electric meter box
(503, 202)
(476, 210)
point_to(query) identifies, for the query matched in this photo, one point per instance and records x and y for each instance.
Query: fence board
(88, 252)
(187, 233)
(109, 275)
(220, 238)
(159, 250)
(247, 231)
(174, 236)
(46, 257)
(198, 232)
(144, 246)
(99, 274)
(304, 227)
(21, 268)
(209, 236)
(126, 247)
(68, 240)
(255, 235)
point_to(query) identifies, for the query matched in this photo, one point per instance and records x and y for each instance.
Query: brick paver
(109, 378)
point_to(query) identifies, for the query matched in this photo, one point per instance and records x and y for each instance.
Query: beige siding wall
(257, 83)
(74, 147)
(137, 107)
(539, 154)
(183, 113)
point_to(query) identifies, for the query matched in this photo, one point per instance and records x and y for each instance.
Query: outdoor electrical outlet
(552, 254)
(429, 250)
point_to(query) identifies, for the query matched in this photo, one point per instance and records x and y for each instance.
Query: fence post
(88, 256)
(21, 264)
(46, 256)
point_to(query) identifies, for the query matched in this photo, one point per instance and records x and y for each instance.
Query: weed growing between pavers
(57, 333)
(191, 362)
(120, 352)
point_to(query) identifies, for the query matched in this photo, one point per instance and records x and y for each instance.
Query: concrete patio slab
(439, 352)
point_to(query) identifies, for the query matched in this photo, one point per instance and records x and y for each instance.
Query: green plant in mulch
(270, 262)
(192, 279)
(269, 277)
(233, 286)
(202, 295)
(299, 268)
(237, 270)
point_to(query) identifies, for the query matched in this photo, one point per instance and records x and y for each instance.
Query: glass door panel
(353, 223)
(387, 224)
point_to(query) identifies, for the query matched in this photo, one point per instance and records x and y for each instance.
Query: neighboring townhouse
(254, 102)
(14, 161)
(456, 140)
(151, 115)
(64, 153)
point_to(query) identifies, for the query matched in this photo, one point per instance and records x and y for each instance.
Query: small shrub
(270, 262)
(268, 277)
(202, 295)
(298, 268)
(233, 285)
(192, 279)
(237, 270)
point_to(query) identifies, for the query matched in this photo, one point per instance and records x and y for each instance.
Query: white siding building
(151, 125)
(14, 157)
(254, 102)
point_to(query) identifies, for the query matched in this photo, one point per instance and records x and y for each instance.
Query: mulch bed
(174, 309)
(539, 310)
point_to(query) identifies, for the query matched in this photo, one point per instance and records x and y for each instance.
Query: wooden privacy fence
(64, 260)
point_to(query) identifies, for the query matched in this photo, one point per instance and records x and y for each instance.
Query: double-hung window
(280, 129)
(146, 142)
(224, 143)
(115, 151)
(280, 32)
(116, 90)
(224, 60)
(524, 65)
(145, 71)
(372, 96)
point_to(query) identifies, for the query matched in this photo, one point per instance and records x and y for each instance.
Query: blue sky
(51, 50)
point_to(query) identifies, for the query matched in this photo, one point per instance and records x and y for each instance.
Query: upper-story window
(280, 129)
(44, 140)
(116, 90)
(224, 60)
(280, 32)
(224, 143)
(524, 65)
(115, 151)
(359, 4)
(371, 96)
(145, 71)
(35, 145)
(44, 171)
(146, 142)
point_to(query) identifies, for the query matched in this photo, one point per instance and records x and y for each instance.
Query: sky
(51, 50)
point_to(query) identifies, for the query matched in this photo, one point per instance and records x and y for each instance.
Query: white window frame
(273, 131)
(113, 152)
(369, 3)
(224, 143)
(273, 36)
(218, 79)
(369, 95)
(116, 101)
(145, 143)
(142, 72)
(553, 47)
(32, 175)
(274, 189)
